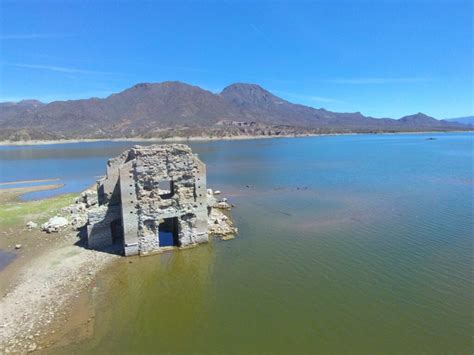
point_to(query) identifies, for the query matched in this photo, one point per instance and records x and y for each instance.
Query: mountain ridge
(466, 120)
(174, 108)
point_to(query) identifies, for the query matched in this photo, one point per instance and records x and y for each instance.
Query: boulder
(88, 198)
(55, 224)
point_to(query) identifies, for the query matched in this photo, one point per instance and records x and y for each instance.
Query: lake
(347, 244)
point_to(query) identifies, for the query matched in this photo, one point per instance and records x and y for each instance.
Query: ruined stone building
(152, 198)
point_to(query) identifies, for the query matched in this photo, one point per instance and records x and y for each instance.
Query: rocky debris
(222, 203)
(18, 246)
(219, 223)
(88, 197)
(31, 225)
(78, 221)
(55, 224)
(78, 211)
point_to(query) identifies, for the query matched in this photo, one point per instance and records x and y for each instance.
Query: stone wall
(133, 185)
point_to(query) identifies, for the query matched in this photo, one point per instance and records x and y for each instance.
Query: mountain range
(175, 109)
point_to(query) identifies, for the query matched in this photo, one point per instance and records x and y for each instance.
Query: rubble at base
(219, 222)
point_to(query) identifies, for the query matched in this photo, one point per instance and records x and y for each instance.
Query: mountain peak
(164, 84)
(420, 116)
(243, 94)
(30, 102)
(244, 88)
(420, 119)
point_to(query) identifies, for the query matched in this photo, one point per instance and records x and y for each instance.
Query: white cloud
(68, 70)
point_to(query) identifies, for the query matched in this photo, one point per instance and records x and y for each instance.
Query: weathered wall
(129, 205)
(99, 229)
(133, 181)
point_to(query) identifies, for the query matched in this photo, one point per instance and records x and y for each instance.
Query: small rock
(31, 225)
(18, 246)
(32, 347)
(217, 192)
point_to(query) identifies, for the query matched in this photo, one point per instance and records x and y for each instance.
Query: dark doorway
(168, 232)
(117, 231)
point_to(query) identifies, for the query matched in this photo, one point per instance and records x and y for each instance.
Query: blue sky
(382, 58)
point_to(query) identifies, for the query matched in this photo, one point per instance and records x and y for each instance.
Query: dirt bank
(51, 274)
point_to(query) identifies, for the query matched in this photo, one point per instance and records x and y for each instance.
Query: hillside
(467, 120)
(177, 109)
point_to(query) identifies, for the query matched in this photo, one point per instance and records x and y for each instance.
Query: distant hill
(467, 120)
(168, 109)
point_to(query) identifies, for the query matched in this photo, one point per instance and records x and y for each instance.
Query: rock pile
(78, 211)
(219, 223)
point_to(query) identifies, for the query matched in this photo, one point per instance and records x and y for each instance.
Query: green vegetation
(15, 212)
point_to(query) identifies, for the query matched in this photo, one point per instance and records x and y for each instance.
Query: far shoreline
(207, 139)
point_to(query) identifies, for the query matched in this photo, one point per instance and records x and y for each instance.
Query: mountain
(421, 120)
(160, 110)
(467, 120)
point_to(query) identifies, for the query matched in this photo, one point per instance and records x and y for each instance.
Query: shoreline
(49, 276)
(210, 139)
(47, 289)
(21, 182)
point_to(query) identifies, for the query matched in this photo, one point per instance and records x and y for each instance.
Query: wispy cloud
(309, 98)
(7, 36)
(67, 70)
(359, 81)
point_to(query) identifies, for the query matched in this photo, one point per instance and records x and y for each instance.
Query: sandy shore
(169, 139)
(199, 138)
(51, 275)
(21, 182)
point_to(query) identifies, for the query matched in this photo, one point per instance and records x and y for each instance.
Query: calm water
(351, 244)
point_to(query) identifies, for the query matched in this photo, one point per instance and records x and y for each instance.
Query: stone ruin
(154, 198)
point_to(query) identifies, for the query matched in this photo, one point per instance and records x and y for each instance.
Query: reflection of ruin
(152, 198)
